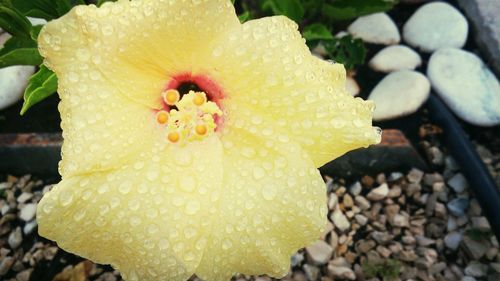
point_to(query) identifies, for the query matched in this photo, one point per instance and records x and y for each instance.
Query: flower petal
(113, 63)
(267, 67)
(135, 45)
(151, 220)
(274, 203)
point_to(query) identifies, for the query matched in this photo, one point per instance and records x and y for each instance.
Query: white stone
(436, 25)
(452, 240)
(458, 182)
(28, 212)
(13, 80)
(340, 221)
(341, 273)
(378, 193)
(376, 28)
(394, 58)
(352, 86)
(476, 269)
(399, 94)
(37, 21)
(319, 253)
(466, 85)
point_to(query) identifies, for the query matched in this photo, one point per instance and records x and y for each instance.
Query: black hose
(473, 168)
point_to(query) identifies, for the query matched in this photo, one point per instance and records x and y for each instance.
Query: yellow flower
(162, 182)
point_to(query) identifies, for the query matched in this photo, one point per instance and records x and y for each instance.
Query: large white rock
(436, 25)
(13, 80)
(37, 21)
(352, 86)
(399, 94)
(376, 28)
(466, 85)
(395, 58)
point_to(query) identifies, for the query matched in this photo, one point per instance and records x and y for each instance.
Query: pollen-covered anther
(192, 119)
(199, 98)
(174, 136)
(162, 117)
(201, 129)
(171, 97)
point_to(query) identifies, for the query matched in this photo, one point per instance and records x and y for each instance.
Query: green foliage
(478, 235)
(100, 2)
(290, 8)
(316, 31)
(14, 22)
(346, 50)
(41, 85)
(350, 9)
(46, 9)
(387, 269)
(320, 15)
(244, 17)
(20, 50)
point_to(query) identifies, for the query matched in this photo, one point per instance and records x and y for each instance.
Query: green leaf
(244, 17)
(46, 9)
(316, 31)
(100, 2)
(350, 9)
(14, 22)
(35, 30)
(41, 85)
(290, 8)
(20, 51)
(346, 50)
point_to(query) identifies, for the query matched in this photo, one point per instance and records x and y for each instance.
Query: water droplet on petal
(192, 207)
(269, 192)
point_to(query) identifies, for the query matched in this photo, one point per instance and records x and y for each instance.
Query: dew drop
(134, 205)
(139, 165)
(65, 197)
(187, 184)
(163, 244)
(79, 215)
(183, 158)
(152, 175)
(125, 187)
(248, 152)
(258, 173)
(269, 192)
(142, 188)
(227, 244)
(135, 221)
(190, 232)
(192, 207)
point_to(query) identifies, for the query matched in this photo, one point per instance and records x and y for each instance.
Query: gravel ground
(408, 225)
(412, 226)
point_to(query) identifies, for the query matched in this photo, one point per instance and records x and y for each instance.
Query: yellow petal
(151, 219)
(273, 203)
(135, 45)
(113, 63)
(266, 67)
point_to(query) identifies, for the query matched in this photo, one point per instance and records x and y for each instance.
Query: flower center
(189, 117)
(191, 108)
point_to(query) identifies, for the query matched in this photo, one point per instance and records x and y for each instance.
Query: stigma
(191, 116)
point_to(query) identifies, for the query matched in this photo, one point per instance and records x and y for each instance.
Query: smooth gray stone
(485, 18)
(466, 85)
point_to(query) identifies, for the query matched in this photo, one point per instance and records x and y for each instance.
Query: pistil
(191, 117)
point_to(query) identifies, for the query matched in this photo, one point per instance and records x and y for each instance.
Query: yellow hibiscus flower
(191, 141)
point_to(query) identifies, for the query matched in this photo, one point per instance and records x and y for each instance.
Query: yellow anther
(201, 129)
(171, 97)
(174, 137)
(199, 99)
(162, 117)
